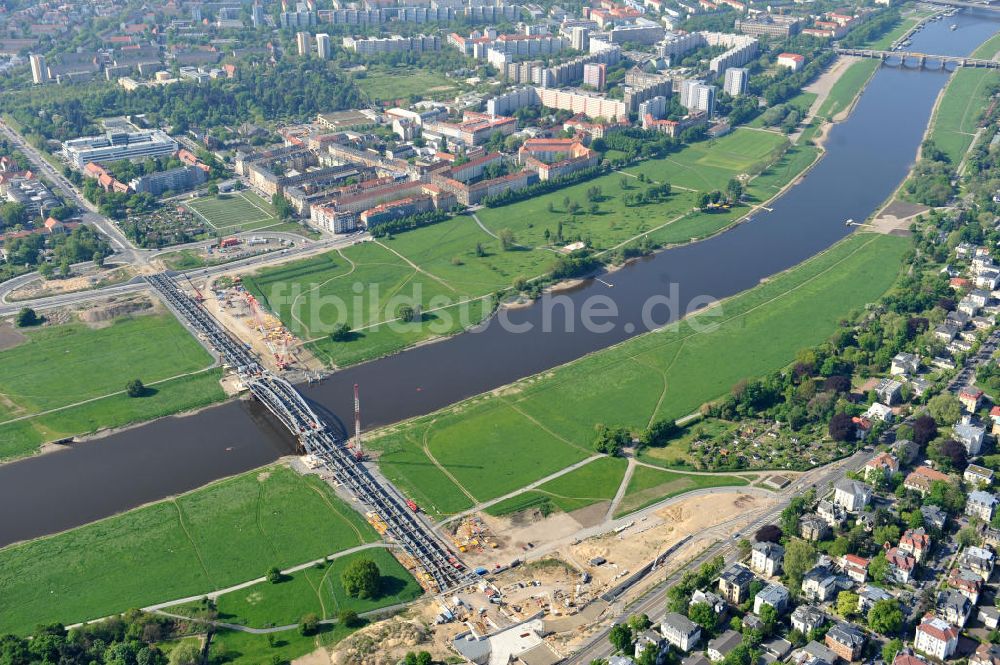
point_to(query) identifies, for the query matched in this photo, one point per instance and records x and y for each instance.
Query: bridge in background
(288, 405)
(921, 58)
(989, 6)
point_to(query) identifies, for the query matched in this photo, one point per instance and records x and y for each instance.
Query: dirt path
(292, 309)
(622, 488)
(441, 467)
(417, 268)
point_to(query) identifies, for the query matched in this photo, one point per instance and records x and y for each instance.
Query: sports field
(546, 422)
(63, 365)
(954, 123)
(232, 213)
(402, 83)
(214, 537)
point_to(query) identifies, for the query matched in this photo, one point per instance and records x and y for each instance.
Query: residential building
(990, 616)
(916, 542)
(813, 527)
(980, 504)
(967, 583)
(32, 193)
(879, 412)
(793, 61)
(768, 25)
(953, 607)
(986, 654)
(880, 467)
(765, 558)
(813, 653)
(846, 640)
(323, 49)
(905, 364)
(832, 513)
(113, 146)
(819, 584)
(595, 74)
(889, 391)
(774, 595)
(851, 495)
(906, 656)
(736, 81)
(856, 567)
(734, 583)
(935, 637)
(807, 618)
(303, 42)
(922, 478)
(721, 646)
(716, 602)
(901, 564)
(39, 70)
(969, 435)
(971, 398)
(868, 595)
(680, 631)
(176, 180)
(979, 560)
(978, 476)
(647, 637)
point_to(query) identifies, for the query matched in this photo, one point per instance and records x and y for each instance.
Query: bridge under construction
(443, 570)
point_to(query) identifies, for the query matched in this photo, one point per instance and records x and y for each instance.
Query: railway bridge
(921, 58)
(289, 406)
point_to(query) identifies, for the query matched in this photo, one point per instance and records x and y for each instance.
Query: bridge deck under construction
(441, 569)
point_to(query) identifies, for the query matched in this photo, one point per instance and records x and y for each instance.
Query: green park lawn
(60, 366)
(648, 486)
(988, 49)
(954, 123)
(540, 424)
(217, 536)
(316, 590)
(231, 647)
(850, 84)
(592, 483)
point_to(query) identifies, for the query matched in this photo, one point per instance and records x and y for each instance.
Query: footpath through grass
(61, 365)
(214, 537)
(490, 445)
(648, 486)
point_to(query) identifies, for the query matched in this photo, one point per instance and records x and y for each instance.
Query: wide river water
(867, 156)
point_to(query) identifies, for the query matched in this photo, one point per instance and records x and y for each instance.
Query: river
(867, 156)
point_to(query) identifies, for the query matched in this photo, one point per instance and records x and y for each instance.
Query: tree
(273, 575)
(799, 558)
(341, 333)
(924, 430)
(639, 622)
(659, 433)
(703, 200)
(878, 568)
(308, 625)
(282, 206)
(769, 616)
(890, 649)
(185, 653)
(769, 533)
(847, 604)
(842, 427)
(886, 617)
(611, 440)
(703, 615)
(621, 638)
(945, 408)
(26, 318)
(507, 240)
(134, 388)
(952, 455)
(348, 618)
(407, 313)
(361, 579)
(967, 536)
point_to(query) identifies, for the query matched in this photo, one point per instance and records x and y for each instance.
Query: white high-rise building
(736, 81)
(39, 71)
(304, 43)
(323, 46)
(688, 87)
(580, 38)
(704, 99)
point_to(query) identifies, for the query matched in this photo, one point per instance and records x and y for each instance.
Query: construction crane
(197, 293)
(359, 452)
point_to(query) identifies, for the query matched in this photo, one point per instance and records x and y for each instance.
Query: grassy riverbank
(488, 446)
(462, 260)
(954, 124)
(69, 379)
(212, 538)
